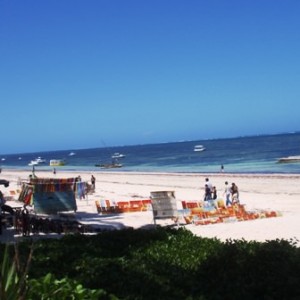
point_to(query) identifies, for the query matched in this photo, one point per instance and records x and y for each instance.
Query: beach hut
(50, 195)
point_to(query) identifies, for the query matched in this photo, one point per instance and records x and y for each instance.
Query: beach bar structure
(50, 195)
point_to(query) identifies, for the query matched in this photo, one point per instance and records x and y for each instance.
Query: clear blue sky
(82, 74)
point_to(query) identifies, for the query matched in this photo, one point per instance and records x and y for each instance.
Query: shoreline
(231, 174)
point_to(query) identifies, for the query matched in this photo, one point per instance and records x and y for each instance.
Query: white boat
(57, 162)
(289, 159)
(117, 155)
(72, 153)
(199, 148)
(37, 161)
(40, 160)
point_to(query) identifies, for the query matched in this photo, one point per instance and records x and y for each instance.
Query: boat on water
(289, 159)
(199, 148)
(39, 160)
(72, 153)
(117, 155)
(114, 164)
(57, 162)
(109, 166)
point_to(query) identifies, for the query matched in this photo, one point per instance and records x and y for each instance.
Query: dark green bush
(166, 263)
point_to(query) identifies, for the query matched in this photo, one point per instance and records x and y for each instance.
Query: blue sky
(83, 74)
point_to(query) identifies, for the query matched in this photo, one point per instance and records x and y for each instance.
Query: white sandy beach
(267, 192)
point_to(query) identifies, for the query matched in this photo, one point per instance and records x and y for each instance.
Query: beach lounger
(123, 206)
(193, 204)
(101, 206)
(98, 206)
(135, 205)
(147, 204)
(221, 203)
(110, 207)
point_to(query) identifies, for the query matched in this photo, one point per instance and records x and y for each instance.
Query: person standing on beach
(207, 189)
(227, 193)
(207, 194)
(93, 181)
(214, 193)
(209, 184)
(235, 194)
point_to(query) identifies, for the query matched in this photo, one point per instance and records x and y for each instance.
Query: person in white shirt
(227, 193)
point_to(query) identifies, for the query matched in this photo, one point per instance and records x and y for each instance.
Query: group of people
(231, 192)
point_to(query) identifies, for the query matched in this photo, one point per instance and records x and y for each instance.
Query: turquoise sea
(253, 154)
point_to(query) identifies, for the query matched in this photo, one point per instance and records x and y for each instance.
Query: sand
(279, 192)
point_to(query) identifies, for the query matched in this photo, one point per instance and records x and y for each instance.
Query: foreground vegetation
(151, 264)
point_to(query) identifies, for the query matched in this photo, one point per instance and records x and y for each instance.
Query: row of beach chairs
(109, 207)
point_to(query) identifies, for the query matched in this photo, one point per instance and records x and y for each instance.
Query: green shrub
(49, 288)
(162, 263)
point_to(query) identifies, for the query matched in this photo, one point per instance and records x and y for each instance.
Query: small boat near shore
(289, 159)
(109, 166)
(57, 162)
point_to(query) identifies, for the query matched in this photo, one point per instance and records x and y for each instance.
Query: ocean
(254, 154)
